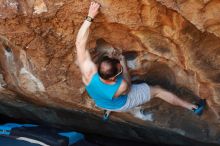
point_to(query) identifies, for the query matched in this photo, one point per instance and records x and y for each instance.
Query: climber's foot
(200, 107)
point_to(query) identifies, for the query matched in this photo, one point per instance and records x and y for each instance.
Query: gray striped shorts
(138, 94)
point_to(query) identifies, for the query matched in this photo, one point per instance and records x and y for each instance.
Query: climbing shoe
(106, 115)
(200, 107)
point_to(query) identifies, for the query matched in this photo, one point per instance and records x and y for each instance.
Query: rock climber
(108, 83)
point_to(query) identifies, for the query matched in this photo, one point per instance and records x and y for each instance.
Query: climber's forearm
(83, 34)
(82, 37)
(126, 75)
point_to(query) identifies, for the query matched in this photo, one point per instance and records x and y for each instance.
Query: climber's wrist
(89, 18)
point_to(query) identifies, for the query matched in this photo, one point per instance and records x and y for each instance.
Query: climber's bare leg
(169, 97)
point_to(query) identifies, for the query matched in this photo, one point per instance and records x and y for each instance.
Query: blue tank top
(103, 94)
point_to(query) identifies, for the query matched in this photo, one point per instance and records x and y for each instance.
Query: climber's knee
(155, 91)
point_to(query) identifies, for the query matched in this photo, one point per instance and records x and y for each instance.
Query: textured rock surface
(173, 49)
(204, 14)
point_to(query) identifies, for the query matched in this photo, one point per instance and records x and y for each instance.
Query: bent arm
(126, 75)
(126, 83)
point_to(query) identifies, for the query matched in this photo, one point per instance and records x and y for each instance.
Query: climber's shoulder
(88, 71)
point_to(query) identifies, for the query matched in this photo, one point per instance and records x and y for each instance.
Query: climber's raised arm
(87, 67)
